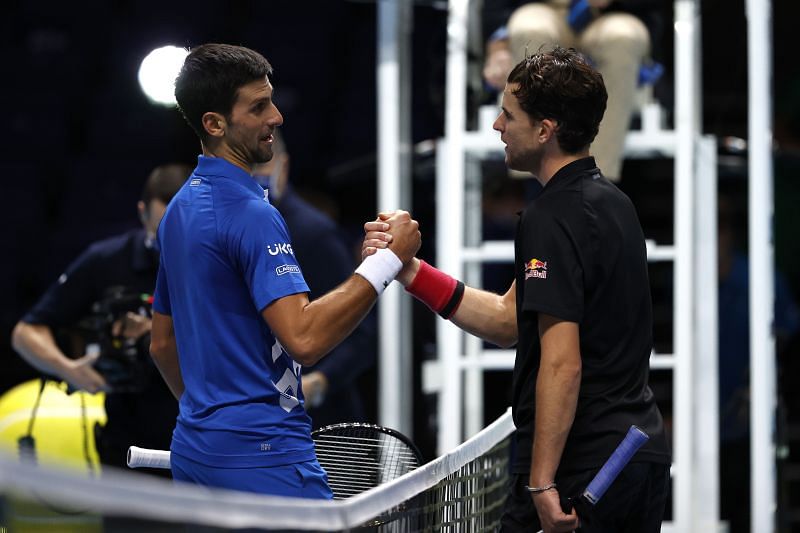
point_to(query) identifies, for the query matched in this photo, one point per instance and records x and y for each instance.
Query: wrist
(380, 269)
(409, 273)
(440, 292)
(542, 488)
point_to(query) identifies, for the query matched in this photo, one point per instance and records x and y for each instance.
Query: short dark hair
(164, 182)
(211, 77)
(563, 86)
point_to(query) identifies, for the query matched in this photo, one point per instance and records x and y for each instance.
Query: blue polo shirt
(225, 256)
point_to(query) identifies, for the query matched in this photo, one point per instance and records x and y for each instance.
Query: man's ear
(547, 129)
(142, 209)
(214, 124)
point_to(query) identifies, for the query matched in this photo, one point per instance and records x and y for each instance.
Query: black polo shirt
(143, 418)
(580, 256)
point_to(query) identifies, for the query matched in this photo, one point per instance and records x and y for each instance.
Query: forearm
(487, 315)
(320, 325)
(164, 351)
(168, 366)
(557, 386)
(36, 345)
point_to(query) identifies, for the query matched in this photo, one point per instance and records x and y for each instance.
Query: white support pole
(394, 174)
(450, 219)
(763, 489)
(706, 340)
(686, 126)
(473, 276)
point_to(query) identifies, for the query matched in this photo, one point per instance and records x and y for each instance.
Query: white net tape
(127, 494)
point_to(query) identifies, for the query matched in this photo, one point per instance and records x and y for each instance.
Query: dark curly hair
(562, 85)
(210, 80)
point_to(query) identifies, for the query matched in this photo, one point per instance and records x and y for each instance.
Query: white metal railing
(763, 485)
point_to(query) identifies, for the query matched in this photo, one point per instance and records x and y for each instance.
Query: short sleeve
(71, 296)
(161, 303)
(552, 270)
(260, 241)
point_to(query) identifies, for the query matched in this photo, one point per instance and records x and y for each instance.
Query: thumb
(88, 359)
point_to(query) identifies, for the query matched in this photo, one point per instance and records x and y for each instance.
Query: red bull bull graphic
(536, 269)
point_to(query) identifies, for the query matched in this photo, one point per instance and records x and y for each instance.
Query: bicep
(283, 316)
(560, 340)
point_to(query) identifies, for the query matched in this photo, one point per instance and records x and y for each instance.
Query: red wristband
(440, 292)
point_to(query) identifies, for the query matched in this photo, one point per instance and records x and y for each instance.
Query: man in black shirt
(106, 281)
(579, 311)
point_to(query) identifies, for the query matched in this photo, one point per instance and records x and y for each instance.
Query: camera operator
(103, 298)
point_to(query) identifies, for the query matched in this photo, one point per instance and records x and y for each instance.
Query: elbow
(305, 354)
(306, 350)
(158, 349)
(570, 373)
(508, 340)
(507, 337)
(505, 342)
(18, 336)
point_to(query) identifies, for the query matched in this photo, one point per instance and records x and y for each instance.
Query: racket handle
(607, 474)
(614, 465)
(144, 458)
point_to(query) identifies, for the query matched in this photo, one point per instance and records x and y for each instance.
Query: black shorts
(634, 503)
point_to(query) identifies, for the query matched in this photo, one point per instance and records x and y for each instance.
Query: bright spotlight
(158, 72)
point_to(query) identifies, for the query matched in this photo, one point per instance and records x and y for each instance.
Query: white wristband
(380, 269)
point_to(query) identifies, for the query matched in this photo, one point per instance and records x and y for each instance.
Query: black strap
(448, 310)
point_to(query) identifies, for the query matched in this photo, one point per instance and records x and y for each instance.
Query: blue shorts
(299, 480)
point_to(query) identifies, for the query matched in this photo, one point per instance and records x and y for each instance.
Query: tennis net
(462, 490)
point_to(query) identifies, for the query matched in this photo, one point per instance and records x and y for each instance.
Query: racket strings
(361, 457)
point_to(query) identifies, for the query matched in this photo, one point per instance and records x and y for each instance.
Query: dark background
(79, 137)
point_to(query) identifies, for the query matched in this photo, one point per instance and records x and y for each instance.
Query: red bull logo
(536, 269)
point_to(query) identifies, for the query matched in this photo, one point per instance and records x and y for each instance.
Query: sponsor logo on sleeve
(287, 269)
(280, 248)
(536, 269)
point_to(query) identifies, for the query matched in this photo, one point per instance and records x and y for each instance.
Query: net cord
(121, 493)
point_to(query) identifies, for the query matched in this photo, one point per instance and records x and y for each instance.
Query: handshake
(397, 232)
(390, 246)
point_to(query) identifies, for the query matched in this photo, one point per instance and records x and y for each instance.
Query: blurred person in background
(102, 300)
(734, 361)
(613, 34)
(330, 387)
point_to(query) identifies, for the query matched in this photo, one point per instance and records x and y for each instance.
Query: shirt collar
(218, 166)
(571, 170)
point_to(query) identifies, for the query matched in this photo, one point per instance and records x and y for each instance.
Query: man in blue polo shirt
(232, 321)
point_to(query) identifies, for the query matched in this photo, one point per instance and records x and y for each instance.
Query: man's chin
(264, 157)
(515, 172)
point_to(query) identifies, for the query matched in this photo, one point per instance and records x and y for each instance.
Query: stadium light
(158, 71)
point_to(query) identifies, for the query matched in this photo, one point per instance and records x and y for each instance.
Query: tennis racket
(358, 457)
